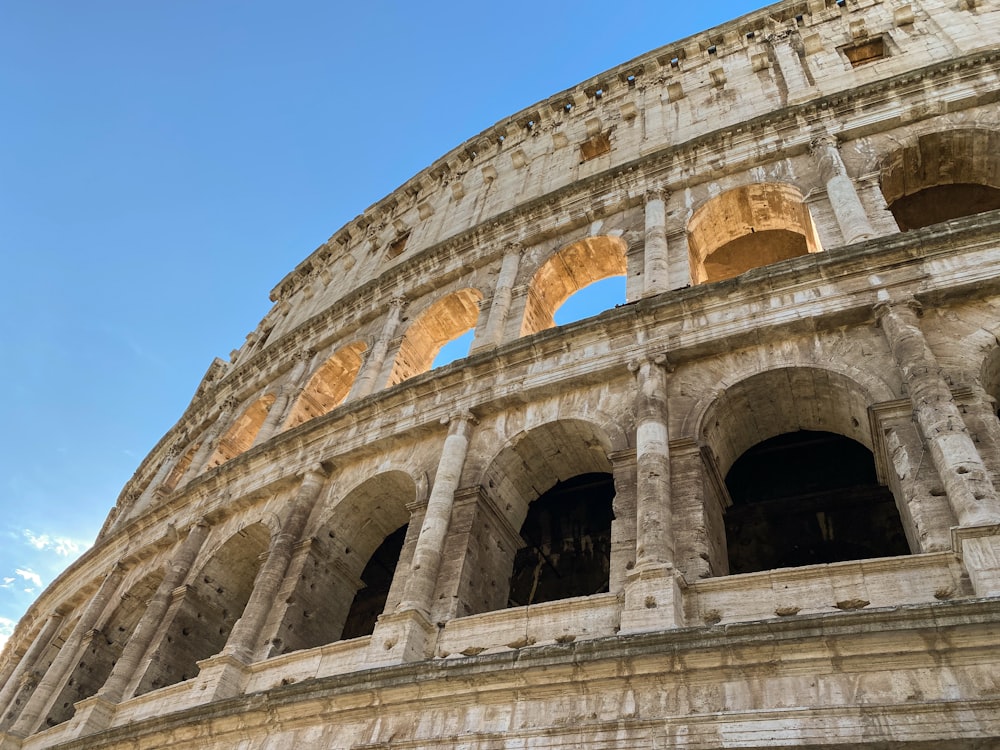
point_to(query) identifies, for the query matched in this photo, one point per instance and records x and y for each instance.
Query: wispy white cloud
(6, 630)
(29, 575)
(7, 583)
(61, 545)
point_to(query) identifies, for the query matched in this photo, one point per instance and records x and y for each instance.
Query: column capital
(883, 307)
(513, 247)
(660, 360)
(823, 142)
(657, 194)
(231, 403)
(460, 417)
(397, 300)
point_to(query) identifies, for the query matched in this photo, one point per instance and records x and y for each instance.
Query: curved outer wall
(743, 181)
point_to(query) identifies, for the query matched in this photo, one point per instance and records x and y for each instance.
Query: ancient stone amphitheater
(752, 506)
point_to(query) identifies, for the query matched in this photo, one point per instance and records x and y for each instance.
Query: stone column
(407, 633)
(18, 682)
(492, 335)
(243, 640)
(139, 641)
(373, 364)
(211, 438)
(62, 666)
(419, 590)
(654, 535)
(851, 216)
(656, 262)
(169, 462)
(287, 394)
(789, 53)
(653, 598)
(951, 449)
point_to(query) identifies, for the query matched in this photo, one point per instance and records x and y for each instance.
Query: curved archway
(240, 435)
(749, 227)
(786, 440)
(348, 578)
(328, 386)
(102, 649)
(566, 272)
(214, 600)
(554, 488)
(805, 498)
(941, 176)
(444, 321)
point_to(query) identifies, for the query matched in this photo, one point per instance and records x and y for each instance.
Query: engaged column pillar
(851, 216)
(656, 262)
(373, 364)
(492, 336)
(959, 465)
(653, 597)
(405, 635)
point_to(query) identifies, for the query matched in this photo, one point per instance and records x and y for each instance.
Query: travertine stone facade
(753, 506)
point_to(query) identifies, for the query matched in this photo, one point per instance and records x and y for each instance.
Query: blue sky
(164, 164)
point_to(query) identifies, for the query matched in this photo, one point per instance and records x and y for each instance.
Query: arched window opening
(943, 176)
(101, 649)
(213, 601)
(454, 350)
(805, 498)
(747, 228)
(568, 271)
(180, 469)
(376, 579)
(567, 535)
(348, 566)
(592, 300)
(546, 518)
(240, 436)
(444, 321)
(329, 385)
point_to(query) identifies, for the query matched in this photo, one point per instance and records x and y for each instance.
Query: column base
(654, 600)
(400, 637)
(978, 547)
(222, 676)
(91, 715)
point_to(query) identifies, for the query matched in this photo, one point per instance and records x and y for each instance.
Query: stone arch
(942, 175)
(241, 433)
(213, 600)
(332, 590)
(443, 321)
(102, 647)
(766, 433)
(329, 384)
(566, 272)
(560, 468)
(748, 227)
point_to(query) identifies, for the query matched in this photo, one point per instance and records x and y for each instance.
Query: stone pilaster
(492, 335)
(653, 598)
(20, 681)
(404, 635)
(285, 399)
(847, 208)
(374, 363)
(62, 666)
(95, 713)
(211, 438)
(961, 469)
(656, 277)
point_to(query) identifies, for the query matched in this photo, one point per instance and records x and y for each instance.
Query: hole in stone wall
(568, 542)
(868, 51)
(598, 145)
(805, 498)
(376, 580)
